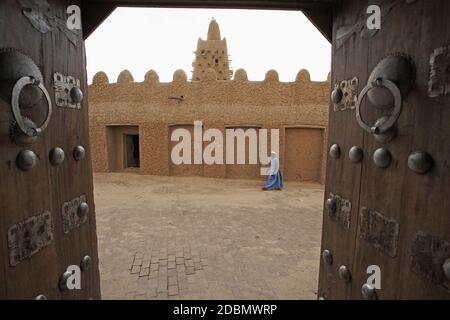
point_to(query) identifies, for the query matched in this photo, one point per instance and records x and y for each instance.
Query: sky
(140, 39)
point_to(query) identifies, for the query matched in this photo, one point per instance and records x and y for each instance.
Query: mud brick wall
(299, 107)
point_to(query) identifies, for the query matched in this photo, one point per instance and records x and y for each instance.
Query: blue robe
(274, 182)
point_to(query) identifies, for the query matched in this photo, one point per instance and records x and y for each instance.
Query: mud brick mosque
(131, 123)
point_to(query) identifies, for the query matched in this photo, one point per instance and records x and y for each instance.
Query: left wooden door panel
(43, 230)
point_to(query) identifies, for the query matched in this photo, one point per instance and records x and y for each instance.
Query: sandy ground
(202, 238)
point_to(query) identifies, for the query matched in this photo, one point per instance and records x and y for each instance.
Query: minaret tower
(212, 53)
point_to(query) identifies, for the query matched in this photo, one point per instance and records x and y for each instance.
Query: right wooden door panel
(399, 218)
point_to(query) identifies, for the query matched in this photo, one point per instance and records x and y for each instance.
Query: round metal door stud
(327, 257)
(420, 162)
(79, 153)
(76, 95)
(382, 158)
(57, 156)
(389, 135)
(85, 263)
(26, 160)
(331, 205)
(446, 268)
(83, 210)
(40, 297)
(63, 280)
(344, 273)
(355, 154)
(337, 95)
(368, 292)
(335, 151)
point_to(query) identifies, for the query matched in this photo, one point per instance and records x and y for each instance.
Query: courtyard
(204, 238)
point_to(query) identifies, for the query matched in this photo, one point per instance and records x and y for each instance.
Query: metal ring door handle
(18, 87)
(388, 124)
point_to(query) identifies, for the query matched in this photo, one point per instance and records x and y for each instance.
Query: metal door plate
(380, 231)
(349, 94)
(70, 218)
(342, 214)
(28, 237)
(429, 254)
(63, 86)
(398, 68)
(439, 82)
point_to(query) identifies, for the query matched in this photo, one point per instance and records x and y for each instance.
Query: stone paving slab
(202, 238)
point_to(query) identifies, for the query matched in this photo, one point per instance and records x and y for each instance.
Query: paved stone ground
(201, 238)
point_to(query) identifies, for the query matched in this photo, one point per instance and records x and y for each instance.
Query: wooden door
(246, 170)
(303, 154)
(47, 220)
(389, 207)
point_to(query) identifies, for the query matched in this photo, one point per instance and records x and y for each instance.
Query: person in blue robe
(275, 179)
